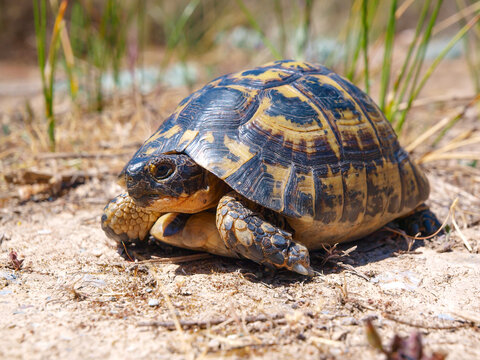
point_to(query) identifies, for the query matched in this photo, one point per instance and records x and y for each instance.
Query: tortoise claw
(302, 270)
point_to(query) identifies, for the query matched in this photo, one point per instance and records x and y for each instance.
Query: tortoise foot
(125, 222)
(250, 236)
(422, 221)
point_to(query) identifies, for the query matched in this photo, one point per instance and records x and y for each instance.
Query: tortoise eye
(162, 171)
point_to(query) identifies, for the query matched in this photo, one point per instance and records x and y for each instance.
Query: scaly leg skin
(422, 221)
(191, 231)
(125, 222)
(250, 236)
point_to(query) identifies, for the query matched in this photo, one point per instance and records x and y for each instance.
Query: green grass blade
(40, 17)
(357, 41)
(365, 27)
(419, 55)
(281, 24)
(253, 23)
(414, 71)
(180, 24)
(401, 79)
(176, 30)
(348, 40)
(52, 60)
(387, 54)
(472, 48)
(141, 36)
(307, 20)
(458, 36)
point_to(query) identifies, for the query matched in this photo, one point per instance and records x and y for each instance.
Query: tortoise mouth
(144, 201)
(158, 203)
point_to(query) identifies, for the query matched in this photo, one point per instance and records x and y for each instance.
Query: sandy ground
(78, 296)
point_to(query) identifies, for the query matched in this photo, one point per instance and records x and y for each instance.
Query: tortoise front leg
(249, 235)
(125, 222)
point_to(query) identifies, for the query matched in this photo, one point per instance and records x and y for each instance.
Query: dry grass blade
(316, 340)
(462, 236)
(464, 155)
(427, 134)
(187, 347)
(442, 124)
(403, 7)
(69, 59)
(471, 9)
(467, 315)
(176, 259)
(204, 324)
(437, 99)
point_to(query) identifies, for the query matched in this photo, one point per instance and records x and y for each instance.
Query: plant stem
(257, 27)
(307, 19)
(281, 25)
(461, 33)
(365, 44)
(387, 54)
(390, 110)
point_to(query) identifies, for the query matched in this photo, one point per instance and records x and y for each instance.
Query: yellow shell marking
(173, 131)
(237, 149)
(150, 150)
(166, 135)
(269, 75)
(334, 183)
(281, 175)
(296, 65)
(188, 136)
(209, 137)
(152, 138)
(355, 179)
(306, 184)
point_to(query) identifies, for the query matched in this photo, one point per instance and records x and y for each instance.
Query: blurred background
(100, 76)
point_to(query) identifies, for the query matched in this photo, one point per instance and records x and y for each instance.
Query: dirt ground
(78, 296)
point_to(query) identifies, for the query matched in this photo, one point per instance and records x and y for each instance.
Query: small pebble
(97, 252)
(349, 321)
(214, 344)
(446, 317)
(153, 302)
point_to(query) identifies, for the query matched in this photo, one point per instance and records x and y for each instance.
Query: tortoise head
(171, 183)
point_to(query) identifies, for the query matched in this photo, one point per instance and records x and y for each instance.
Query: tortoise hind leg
(249, 235)
(190, 231)
(422, 221)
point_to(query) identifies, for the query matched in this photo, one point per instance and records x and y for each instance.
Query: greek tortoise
(266, 164)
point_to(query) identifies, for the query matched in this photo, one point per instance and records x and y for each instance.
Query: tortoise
(267, 164)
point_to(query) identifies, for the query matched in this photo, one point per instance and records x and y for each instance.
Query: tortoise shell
(298, 139)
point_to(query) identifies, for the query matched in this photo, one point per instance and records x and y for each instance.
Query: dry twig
(204, 324)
